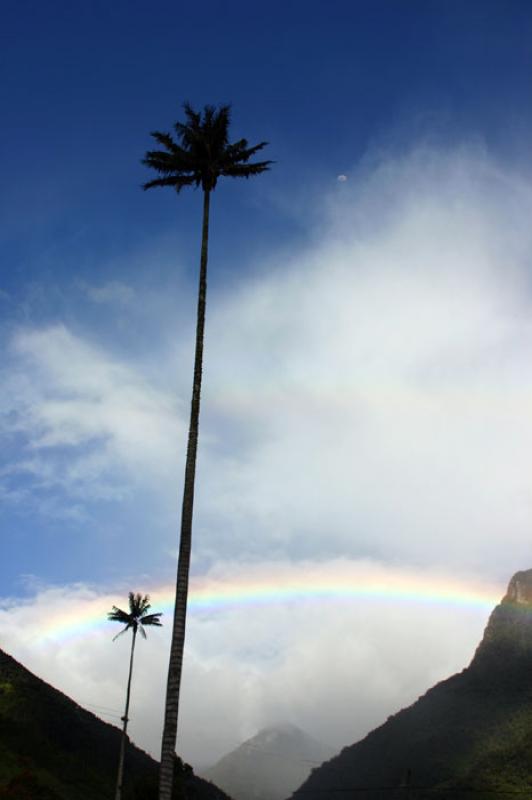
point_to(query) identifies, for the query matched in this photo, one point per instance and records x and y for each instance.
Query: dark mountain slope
(470, 732)
(51, 748)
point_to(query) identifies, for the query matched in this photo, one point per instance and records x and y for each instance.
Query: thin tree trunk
(183, 565)
(125, 719)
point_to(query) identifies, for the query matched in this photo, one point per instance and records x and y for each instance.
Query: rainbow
(277, 585)
(211, 595)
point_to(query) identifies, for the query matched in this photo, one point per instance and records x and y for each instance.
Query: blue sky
(85, 83)
(367, 378)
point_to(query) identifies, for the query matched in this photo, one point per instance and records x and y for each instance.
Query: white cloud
(386, 376)
(89, 422)
(369, 396)
(337, 667)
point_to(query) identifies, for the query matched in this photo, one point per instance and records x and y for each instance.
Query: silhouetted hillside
(469, 736)
(52, 749)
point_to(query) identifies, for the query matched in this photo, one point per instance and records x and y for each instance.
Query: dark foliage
(26, 786)
(203, 153)
(137, 616)
(52, 749)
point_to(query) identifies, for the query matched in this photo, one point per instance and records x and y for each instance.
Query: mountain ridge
(470, 732)
(52, 748)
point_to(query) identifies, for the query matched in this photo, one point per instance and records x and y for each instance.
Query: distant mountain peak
(508, 635)
(269, 765)
(520, 589)
(285, 732)
(281, 727)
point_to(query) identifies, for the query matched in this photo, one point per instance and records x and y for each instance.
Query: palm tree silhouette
(201, 154)
(136, 620)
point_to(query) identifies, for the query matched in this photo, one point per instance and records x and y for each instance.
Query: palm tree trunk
(183, 565)
(118, 793)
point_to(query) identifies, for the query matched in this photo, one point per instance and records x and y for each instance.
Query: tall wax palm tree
(201, 154)
(135, 620)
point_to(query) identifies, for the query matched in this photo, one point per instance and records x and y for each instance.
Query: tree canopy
(202, 152)
(137, 617)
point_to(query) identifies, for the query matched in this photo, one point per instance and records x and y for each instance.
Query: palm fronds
(137, 617)
(203, 153)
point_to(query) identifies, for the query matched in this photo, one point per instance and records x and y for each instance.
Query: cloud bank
(366, 397)
(335, 666)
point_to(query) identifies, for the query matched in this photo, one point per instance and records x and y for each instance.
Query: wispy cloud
(85, 417)
(386, 375)
(111, 292)
(367, 396)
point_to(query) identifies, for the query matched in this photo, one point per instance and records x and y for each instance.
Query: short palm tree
(201, 155)
(135, 620)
